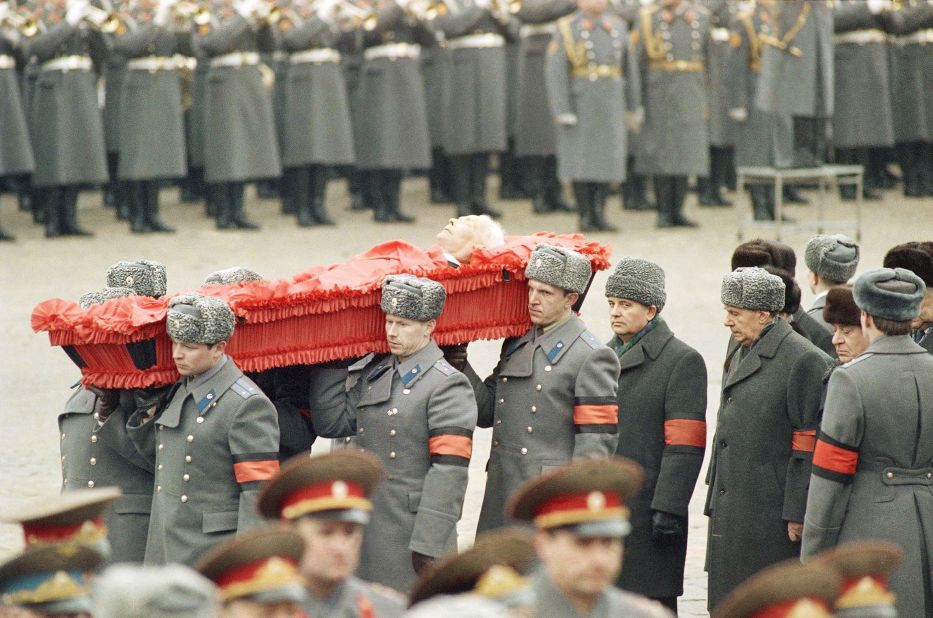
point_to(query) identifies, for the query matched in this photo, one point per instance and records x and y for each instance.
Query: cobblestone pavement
(34, 378)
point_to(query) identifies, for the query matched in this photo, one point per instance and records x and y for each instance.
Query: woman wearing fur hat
(874, 457)
(662, 426)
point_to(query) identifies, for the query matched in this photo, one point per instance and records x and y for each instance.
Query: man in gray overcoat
(552, 397)
(917, 257)
(580, 521)
(671, 45)
(239, 129)
(594, 89)
(16, 159)
(417, 414)
(328, 500)
(476, 34)
(873, 460)
(765, 435)
(317, 115)
(68, 138)
(212, 443)
(152, 130)
(662, 427)
(831, 262)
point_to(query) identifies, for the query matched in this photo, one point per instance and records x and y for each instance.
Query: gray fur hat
(154, 592)
(193, 318)
(412, 298)
(889, 293)
(235, 274)
(563, 268)
(639, 280)
(833, 258)
(144, 277)
(102, 295)
(752, 288)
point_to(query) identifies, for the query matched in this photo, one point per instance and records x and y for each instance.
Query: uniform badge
(129, 280)
(735, 40)
(596, 501)
(339, 489)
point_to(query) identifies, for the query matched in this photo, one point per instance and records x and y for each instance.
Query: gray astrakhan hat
(639, 280)
(193, 318)
(100, 296)
(889, 293)
(144, 277)
(752, 288)
(833, 258)
(412, 298)
(563, 268)
(235, 274)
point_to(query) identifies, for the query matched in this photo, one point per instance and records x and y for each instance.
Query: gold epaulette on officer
(576, 53)
(856, 360)
(784, 43)
(444, 367)
(654, 46)
(244, 388)
(591, 340)
(754, 43)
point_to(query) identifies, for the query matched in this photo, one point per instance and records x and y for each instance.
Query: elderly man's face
(405, 337)
(628, 317)
(193, 359)
(332, 550)
(580, 567)
(849, 341)
(745, 324)
(458, 238)
(548, 304)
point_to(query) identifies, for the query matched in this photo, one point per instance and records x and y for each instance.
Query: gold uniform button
(347, 440)
(158, 488)
(531, 430)
(360, 430)
(547, 368)
(63, 458)
(498, 421)
(161, 427)
(537, 387)
(524, 451)
(93, 439)
(190, 438)
(890, 475)
(502, 401)
(90, 483)
(186, 477)
(392, 432)
(406, 391)
(96, 416)
(534, 409)
(63, 436)
(187, 458)
(184, 498)
(200, 420)
(161, 446)
(93, 461)
(160, 466)
(505, 380)
(392, 455)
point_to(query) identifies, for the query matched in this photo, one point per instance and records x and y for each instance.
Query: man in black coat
(662, 426)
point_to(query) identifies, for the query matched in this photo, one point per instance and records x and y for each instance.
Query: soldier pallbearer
(592, 79)
(873, 459)
(662, 427)
(552, 397)
(417, 413)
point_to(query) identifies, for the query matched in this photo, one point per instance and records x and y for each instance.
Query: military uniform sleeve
(684, 435)
(307, 34)
(459, 23)
(848, 16)
(134, 42)
(541, 11)
(834, 462)
(451, 421)
(557, 72)
(804, 393)
(223, 39)
(595, 407)
(333, 409)
(481, 394)
(45, 45)
(632, 75)
(254, 447)
(113, 435)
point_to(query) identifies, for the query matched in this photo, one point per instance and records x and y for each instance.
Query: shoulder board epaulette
(591, 340)
(856, 360)
(444, 367)
(244, 388)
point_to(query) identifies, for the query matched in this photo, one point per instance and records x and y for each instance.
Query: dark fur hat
(840, 307)
(916, 257)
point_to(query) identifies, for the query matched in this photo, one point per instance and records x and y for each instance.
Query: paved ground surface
(34, 378)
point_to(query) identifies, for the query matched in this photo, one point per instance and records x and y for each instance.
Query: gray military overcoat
(595, 149)
(552, 397)
(863, 113)
(874, 461)
(93, 460)
(535, 132)
(675, 139)
(476, 100)
(435, 69)
(391, 120)
(722, 51)
(68, 135)
(152, 135)
(239, 129)
(911, 68)
(662, 427)
(212, 445)
(114, 73)
(410, 414)
(762, 450)
(317, 110)
(815, 331)
(15, 145)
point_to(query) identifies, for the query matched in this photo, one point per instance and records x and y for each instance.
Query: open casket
(324, 313)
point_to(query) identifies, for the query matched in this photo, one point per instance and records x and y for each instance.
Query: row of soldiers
(595, 94)
(191, 458)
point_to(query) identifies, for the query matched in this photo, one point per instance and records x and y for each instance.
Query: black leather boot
(52, 205)
(582, 195)
(153, 220)
(70, 212)
(439, 177)
(553, 192)
(138, 207)
(392, 194)
(664, 194)
(318, 191)
(236, 191)
(600, 192)
(679, 187)
(479, 169)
